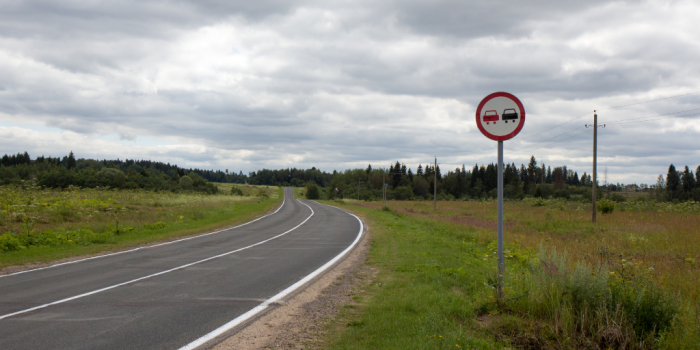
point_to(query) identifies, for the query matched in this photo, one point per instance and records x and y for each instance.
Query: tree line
(480, 181)
(678, 185)
(127, 174)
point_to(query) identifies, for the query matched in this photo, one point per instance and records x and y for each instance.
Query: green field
(40, 225)
(626, 282)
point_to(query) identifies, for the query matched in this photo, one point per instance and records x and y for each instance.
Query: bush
(312, 191)
(402, 193)
(606, 206)
(561, 194)
(186, 183)
(236, 191)
(113, 177)
(9, 242)
(616, 197)
(580, 297)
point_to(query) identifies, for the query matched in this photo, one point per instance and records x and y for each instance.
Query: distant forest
(535, 179)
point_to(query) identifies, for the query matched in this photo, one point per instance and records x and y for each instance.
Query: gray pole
(595, 160)
(435, 186)
(500, 220)
(384, 187)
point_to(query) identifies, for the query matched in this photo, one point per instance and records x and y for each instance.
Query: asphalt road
(195, 286)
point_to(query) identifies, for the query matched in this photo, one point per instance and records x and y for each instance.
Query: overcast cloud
(339, 84)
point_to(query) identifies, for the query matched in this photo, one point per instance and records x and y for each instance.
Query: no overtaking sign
(500, 116)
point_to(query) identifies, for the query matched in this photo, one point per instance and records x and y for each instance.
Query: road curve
(176, 295)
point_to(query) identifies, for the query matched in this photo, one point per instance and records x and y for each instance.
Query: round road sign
(500, 116)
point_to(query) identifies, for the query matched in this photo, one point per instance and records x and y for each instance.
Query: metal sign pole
(500, 219)
(500, 127)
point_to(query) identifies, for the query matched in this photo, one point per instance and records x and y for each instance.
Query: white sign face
(500, 116)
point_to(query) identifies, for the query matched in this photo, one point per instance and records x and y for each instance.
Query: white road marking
(242, 318)
(147, 247)
(155, 274)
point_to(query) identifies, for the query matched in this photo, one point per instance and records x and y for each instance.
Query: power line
(655, 117)
(551, 143)
(658, 99)
(553, 137)
(552, 128)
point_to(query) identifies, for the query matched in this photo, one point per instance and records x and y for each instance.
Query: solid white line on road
(242, 318)
(147, 247)
(155, 274)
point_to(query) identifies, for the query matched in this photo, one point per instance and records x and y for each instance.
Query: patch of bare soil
(300, 322)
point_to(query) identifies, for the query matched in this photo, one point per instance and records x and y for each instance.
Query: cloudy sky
(245, 85)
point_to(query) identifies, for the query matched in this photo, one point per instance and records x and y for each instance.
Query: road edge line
(148, 246)
(254, 311)
(155, 274)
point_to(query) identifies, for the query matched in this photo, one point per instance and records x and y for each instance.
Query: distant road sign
(500, 116)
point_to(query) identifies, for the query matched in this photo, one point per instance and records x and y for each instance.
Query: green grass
(435, 278)
(430, 284)
(60, 224)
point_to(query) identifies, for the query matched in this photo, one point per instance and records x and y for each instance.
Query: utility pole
(384, 187)
(435, 186)
(595, 160)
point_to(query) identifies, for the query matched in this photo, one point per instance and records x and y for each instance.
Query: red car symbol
(491, 116)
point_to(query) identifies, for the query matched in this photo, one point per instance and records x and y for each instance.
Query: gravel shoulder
(299, 323)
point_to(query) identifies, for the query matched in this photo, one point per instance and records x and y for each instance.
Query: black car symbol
(509, 114)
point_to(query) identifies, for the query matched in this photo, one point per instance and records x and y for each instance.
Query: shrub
(113, 177)
(236, 191)
(616, 197)
(561, 194)
(186, 183)
(606, 206)
(312, 191)
(586, 300)
(9, 242)
(402, 193)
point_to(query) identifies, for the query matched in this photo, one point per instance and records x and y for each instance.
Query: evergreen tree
(697, 177)
(490, 179)
(688, 182)
(403, 169)
(464, 172)
(475, 176)
(543, 174)
(410, 175)
(549, 175)
(532, 170)
(673, 183)
(419, 170)
(369, 168)
(439, 176)
(70, 164)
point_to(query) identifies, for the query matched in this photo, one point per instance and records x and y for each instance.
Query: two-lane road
(174, 295)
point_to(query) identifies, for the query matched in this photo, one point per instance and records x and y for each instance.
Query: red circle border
(504, 137)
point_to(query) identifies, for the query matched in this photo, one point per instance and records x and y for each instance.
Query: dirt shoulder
(299, 322)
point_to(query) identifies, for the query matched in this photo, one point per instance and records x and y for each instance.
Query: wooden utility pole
(595, 160)
(435, 187)
(384, 187)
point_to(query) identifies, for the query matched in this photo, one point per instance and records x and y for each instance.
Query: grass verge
(40, 225)
(435, 279)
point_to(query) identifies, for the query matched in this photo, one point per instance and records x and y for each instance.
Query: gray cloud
(336, 84)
